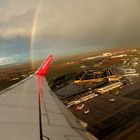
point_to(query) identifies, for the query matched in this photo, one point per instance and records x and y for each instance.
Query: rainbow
(33, 33)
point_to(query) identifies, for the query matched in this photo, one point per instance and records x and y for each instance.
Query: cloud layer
(6, 61)
(90, 21)
(16, 17)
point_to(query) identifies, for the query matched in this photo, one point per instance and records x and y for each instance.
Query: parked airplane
(80, 107)
(87, 111)
(29, 110)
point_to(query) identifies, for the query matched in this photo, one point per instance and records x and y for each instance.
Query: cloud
(6, 61)
(90, 21)
(16, 17)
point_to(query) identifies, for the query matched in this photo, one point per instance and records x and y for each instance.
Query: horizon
(9, 63)
(29, 31)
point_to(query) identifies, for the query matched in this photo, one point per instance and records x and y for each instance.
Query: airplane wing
(29, 110)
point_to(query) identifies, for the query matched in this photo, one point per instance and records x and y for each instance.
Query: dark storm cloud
(94, 20)
(16, 17)
(86, 21)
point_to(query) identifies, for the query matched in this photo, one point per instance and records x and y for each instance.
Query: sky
(32, 29)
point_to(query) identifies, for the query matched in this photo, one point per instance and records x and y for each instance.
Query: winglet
(44, 67)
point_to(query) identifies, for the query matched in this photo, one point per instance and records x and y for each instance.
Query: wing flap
(62, 123)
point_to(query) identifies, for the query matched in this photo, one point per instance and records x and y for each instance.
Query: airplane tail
(44, 67)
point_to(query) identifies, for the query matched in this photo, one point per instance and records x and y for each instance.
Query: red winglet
(44, 67)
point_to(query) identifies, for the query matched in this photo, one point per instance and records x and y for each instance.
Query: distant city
(102, 91)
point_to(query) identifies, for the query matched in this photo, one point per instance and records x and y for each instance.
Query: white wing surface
(29, 110)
